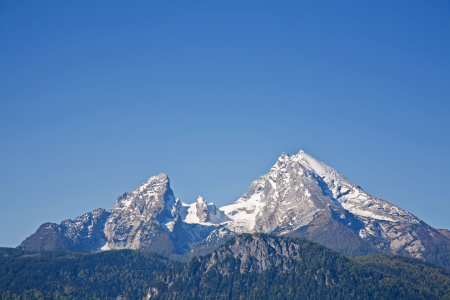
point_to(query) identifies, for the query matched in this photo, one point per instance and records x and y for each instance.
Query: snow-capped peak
(296, 188)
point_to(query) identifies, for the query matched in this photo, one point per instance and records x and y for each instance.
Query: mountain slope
(68, 275)
(137, 217)
(85, 233)
(261, 266)
(301, 196)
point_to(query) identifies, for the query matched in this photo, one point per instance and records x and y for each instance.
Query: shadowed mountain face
(299, 197)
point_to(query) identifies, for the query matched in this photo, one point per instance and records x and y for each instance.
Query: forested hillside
(250, 266)
(68, 275)
(262, 266)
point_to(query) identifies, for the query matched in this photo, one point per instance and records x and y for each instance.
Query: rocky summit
(299, 197)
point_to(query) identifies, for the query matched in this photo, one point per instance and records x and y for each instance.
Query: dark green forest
(69, 275)
(321, 273)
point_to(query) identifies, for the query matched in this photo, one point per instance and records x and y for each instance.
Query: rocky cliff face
(202, 212)
(137, 218)
(242, 255)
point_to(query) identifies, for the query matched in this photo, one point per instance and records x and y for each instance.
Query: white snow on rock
(243, 213)
(200, 212)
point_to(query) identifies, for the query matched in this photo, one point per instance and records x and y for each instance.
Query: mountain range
(299, 197)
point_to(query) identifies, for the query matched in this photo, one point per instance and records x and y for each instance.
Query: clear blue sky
(97, 96)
